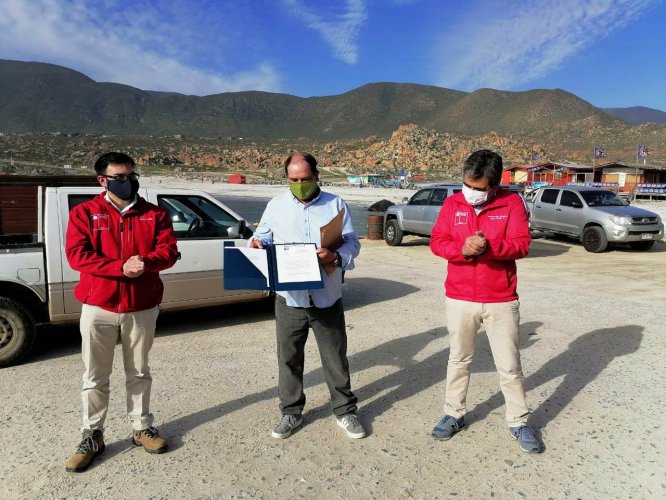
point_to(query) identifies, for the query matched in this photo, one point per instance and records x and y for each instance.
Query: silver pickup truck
(595, 216)
(36, 282)
(418, 214)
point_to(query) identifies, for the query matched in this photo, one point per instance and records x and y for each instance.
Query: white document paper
(297, 263)
(259, 258)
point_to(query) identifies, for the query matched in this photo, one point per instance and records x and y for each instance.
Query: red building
(236, 179)
(557, 173)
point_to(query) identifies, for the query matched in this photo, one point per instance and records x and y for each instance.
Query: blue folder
(241, 274)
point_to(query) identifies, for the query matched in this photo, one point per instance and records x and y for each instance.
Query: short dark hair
(484, 163)
(306, 156)
(112, 158)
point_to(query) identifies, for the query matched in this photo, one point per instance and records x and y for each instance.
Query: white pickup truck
(36, 282)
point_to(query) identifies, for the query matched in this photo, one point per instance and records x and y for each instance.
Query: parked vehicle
(418, 215)
(595, 216)
(36, 282)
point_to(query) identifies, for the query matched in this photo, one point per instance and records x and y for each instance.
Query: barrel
(375, 227)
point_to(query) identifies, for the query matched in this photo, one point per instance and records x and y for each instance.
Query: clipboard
(241, 273)
(331, 236)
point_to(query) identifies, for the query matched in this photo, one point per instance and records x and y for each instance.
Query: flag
(535, 156)
(598, 153)
(643, 152)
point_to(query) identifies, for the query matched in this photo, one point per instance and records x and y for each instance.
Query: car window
(197, 217)
(602, 199)
(438, 197)
(549, 195)
(570, 199)
(421, 197)
(77, 199)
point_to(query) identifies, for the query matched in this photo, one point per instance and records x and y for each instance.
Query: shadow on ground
(585, 359)
(57, 341)
(359, 292)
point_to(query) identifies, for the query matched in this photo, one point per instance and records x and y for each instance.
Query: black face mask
(125, 190)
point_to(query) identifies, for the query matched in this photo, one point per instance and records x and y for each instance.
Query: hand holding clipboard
(331, 237)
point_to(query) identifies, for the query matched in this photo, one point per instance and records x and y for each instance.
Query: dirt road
(592, 341)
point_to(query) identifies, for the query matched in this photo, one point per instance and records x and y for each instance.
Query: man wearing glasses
(297, 217)
(119, 243)
(481, 232)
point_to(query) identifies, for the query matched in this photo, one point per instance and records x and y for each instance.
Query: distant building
(365, 179)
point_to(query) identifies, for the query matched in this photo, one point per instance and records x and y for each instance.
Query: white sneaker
(352, 425)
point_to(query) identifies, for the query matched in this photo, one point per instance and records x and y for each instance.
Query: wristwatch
(338, 260)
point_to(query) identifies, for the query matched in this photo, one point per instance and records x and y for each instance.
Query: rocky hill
(50, 115)
(410, 147)
(37, 97)
(638, 115)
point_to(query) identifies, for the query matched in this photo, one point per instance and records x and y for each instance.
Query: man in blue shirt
(296, 217)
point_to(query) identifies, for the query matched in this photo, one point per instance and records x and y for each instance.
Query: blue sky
(608, 52)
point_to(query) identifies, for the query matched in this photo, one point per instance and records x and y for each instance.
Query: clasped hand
(134, 266)
(474, 245)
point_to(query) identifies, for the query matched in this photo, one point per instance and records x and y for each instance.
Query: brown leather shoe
(90, 446)
(150, 440)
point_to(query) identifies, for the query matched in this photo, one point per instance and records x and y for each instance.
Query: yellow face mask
(303, 190)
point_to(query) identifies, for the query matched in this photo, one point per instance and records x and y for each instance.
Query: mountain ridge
(41, 97)
(377, 124)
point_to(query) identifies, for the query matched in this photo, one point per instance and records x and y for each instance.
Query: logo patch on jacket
(460, 217)
(100, 222)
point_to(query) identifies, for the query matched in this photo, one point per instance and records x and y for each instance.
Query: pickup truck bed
(36, 282)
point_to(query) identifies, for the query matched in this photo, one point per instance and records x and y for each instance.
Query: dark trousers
(328, 325)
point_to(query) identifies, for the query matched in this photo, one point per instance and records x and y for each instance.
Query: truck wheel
(392, 233)
(17, 332)
(643, 246)
(594, 239)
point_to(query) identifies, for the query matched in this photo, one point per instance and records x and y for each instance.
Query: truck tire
(594, 239)
(392, 233)
(642, 246)
(17, 332)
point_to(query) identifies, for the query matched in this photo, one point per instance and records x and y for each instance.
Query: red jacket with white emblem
(491, 276)
(100, 240)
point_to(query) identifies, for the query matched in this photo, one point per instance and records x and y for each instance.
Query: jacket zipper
(122, 259)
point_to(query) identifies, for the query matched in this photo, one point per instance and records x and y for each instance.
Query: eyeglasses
(122, 177)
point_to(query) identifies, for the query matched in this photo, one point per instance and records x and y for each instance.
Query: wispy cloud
(526, 40)
(339, 29)
(136, 43)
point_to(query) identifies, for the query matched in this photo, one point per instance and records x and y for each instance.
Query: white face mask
(474, 197)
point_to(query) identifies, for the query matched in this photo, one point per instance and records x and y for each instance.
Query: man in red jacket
(119, 243)
(481, 232)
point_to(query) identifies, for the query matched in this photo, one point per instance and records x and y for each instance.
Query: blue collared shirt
(294, 222)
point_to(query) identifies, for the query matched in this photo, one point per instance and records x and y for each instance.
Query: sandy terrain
(592, 341)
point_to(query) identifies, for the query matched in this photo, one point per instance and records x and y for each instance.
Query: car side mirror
(405, 200)
(576, 204)
(237, 230)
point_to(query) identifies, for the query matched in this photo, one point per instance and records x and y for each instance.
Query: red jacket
(100, 240)
(491, 276)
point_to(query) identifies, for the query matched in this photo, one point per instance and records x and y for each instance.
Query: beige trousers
(100, 330)
(501, 321)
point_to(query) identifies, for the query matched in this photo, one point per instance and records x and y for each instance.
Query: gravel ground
(593, 353)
